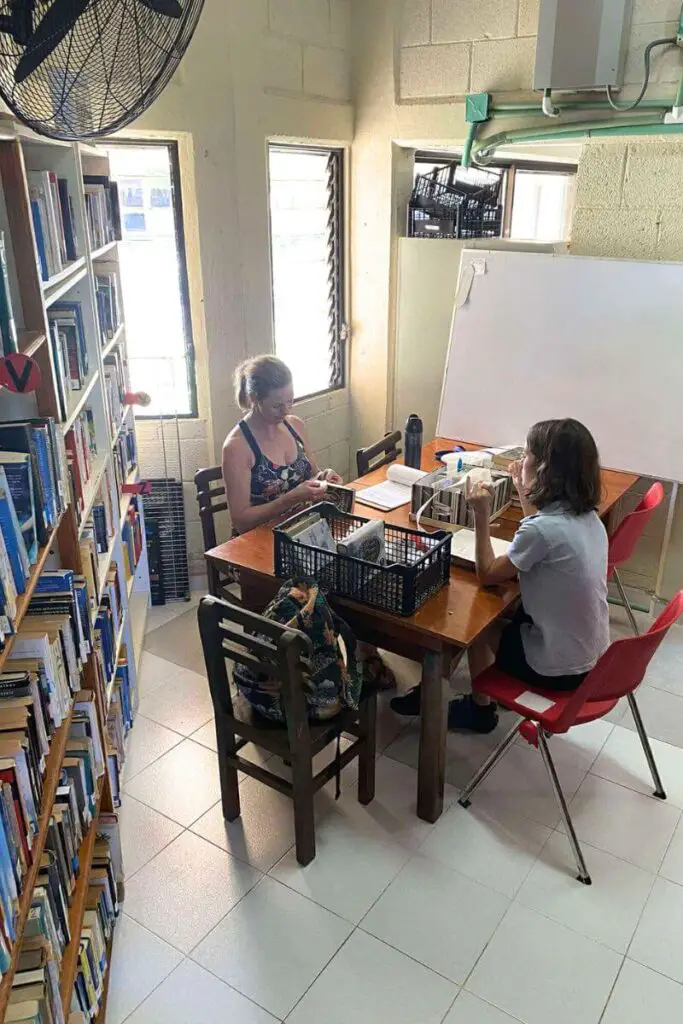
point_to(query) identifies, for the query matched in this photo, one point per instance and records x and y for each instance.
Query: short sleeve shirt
(562, 564)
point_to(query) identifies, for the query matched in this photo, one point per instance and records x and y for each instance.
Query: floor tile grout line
(611, 991)
(289, 1013)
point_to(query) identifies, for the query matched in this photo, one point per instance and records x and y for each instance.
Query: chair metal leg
(644, 739)
(625, 602)
(635, 711)
(487, 767)
(583, 875)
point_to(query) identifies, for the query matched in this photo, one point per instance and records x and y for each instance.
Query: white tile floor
(476, 920)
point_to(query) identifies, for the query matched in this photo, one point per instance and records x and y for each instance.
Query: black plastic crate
(419, 563)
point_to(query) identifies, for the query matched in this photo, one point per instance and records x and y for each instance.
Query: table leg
(432, 756)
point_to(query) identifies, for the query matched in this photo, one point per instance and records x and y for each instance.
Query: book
(8, 330)
(19, 475)
(366, 542)
(13, 536)
(395, 491)
(71, 241)
(41, 251)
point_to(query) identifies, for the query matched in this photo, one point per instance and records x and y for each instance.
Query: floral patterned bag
(334, 682)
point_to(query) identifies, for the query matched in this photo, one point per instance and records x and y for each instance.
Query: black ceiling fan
(75, 69)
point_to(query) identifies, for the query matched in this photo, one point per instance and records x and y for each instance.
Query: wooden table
(443, 628)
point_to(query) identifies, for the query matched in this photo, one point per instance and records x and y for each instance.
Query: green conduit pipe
(588, 129)
(524, 109)
(466, 158)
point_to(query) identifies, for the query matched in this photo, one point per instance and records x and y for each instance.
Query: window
(537, 197)
(541, 205)
(306, 228)
(154, 277)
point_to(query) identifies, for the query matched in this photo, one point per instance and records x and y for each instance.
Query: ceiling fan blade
(55, 25)
(170, 7)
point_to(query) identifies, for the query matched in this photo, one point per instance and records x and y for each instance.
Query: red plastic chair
(618, 673)
(622, 544)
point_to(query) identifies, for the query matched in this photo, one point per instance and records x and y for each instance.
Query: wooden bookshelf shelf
(111, 345)
(23, 599)
(103, 251)
(77, 909)
(61, 283)
(49, 208)
(51, 780)
(30, 341)
(83, 397)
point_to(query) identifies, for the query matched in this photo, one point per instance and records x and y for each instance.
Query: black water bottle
(412, 441)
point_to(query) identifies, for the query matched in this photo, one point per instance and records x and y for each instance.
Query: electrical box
(581, 43)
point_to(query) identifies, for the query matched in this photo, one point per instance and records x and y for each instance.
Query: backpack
(334, 682)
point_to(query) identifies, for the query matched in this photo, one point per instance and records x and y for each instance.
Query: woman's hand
(309, 490)
(480, 498)
(330, 476)
(516, 474)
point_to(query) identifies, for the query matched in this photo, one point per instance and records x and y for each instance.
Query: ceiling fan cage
(79, 69)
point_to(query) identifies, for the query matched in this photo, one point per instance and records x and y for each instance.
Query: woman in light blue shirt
(560, 553)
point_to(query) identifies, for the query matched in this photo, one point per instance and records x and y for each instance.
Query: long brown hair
(256, 378)
(567, 465)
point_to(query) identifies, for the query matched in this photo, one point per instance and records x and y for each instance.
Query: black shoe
(408, 704)
(463, 713)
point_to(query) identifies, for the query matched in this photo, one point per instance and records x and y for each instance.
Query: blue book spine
(58, 581)
(40, 239)
(20, 482)
(11, 533)
(50, 505)
(7, 884)
(84, 618)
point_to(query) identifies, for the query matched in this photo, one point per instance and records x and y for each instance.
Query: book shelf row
(74, 582)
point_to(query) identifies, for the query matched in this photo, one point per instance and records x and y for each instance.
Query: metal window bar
(165, 508)
(335, 242)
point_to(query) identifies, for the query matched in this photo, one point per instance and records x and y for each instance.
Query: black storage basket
(419, 563)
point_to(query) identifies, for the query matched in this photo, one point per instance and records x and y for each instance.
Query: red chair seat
(506, 690)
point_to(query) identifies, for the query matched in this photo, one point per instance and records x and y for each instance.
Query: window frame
(510, 169)
(338, 256)
(183, 283)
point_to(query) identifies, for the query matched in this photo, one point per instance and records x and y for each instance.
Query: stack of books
(131, 536)
(120, 715)
(101, 911)
(8, 328)
(35, 997)
(69, 350)
(108, 302)
(107, 627)
(103, 209)
(115, 385)
(54, 223)
(81, 452)
(62, 592)
(125, 455)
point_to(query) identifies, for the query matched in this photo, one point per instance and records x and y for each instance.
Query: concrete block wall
(629, 204)
(451, 47)
(306, 48)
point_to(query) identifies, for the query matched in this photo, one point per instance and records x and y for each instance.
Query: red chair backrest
(622, 667)
(624, 539)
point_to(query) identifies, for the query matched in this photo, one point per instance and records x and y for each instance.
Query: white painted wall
(254, 70)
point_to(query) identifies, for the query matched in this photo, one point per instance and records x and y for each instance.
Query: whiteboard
(543, 337)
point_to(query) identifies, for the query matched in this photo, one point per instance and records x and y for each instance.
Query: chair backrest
(211, 500)
(381, 453)
(624, 539)
(622, 667)
(229, 631)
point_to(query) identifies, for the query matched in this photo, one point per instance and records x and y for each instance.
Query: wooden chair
(381, 453)
(211, 500)
(227, 632)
